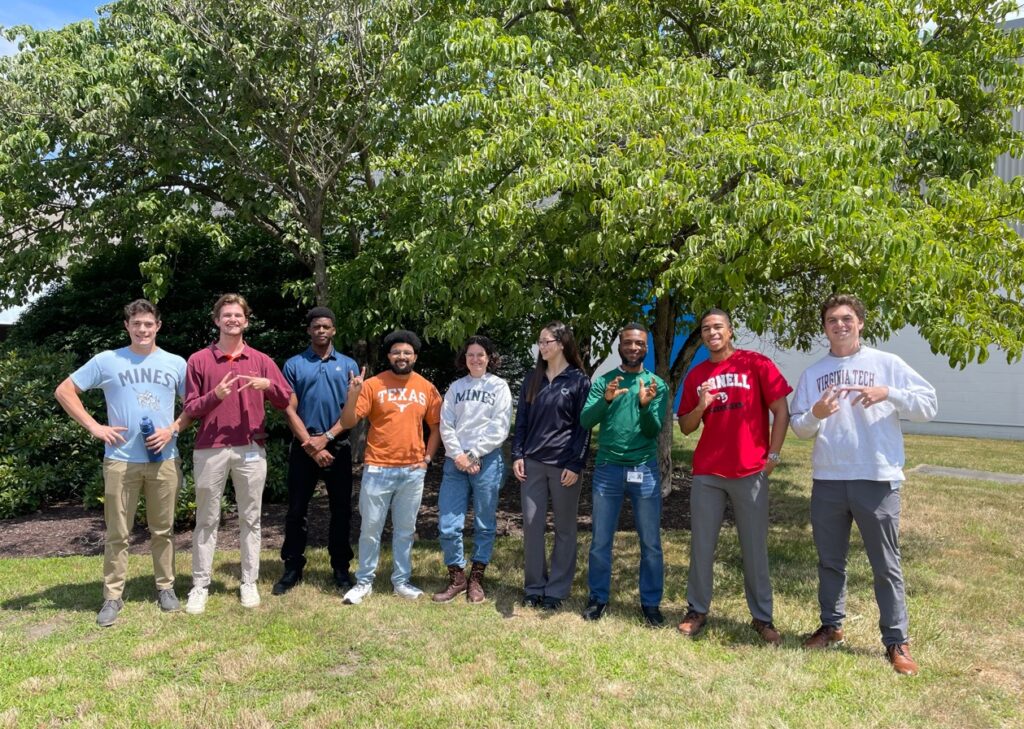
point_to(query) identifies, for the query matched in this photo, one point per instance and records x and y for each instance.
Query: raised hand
(256, 383)
(612, 389)
(225, 386)
(647, 392)
(828, 404)
(866, 396)
(705, 396)
(355, 383)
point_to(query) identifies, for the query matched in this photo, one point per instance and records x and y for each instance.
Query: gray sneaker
(168, 601)
(108, 613)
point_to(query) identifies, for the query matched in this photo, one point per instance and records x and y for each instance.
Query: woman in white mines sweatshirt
(475, 422)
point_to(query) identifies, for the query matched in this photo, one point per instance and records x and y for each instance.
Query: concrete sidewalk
(927, 470)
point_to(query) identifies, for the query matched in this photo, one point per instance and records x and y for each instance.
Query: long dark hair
(561, 333)
(493, 358)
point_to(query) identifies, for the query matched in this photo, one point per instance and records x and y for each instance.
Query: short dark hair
(635, 325)
(319, 312)
(843, 300)
(715, 311)
(141, 306)
(493, 358)
(402, 336)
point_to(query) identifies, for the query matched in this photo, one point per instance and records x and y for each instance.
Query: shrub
(44, 455)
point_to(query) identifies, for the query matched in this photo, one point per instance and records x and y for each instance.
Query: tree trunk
(671, 371)
(320, 283)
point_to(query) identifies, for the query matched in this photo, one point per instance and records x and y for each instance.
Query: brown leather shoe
(475, 591)
(767, 632)
(693, 623)
(456, 585)
(899, 656)
(824, 637)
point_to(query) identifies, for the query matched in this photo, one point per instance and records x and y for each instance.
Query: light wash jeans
(399, 488)
(610, 487)
(453, 502)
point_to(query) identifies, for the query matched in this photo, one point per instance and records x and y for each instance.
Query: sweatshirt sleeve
(801, 419)
(913, 396)
(596, 406)
(580, 444)
(452, 446)
(497, 428)
(522, 418)
(652, 417)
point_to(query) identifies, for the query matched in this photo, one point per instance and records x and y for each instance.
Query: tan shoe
(899, 656)
(767, 632)
(693, 623)
(824, 637)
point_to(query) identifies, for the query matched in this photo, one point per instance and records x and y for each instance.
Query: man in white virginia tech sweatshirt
(851, 402)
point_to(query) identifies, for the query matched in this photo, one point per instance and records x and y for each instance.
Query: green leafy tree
(604, 160)
(171, 117)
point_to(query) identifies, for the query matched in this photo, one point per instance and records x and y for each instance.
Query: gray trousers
(749, 497)
(875, 506)
(543, 481)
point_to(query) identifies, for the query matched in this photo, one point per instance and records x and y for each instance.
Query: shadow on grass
(88, 596)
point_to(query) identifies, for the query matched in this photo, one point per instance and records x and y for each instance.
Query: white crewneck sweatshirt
(476, 415)
(857, 442)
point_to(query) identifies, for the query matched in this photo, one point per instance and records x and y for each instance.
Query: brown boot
(475, 593)
(456, 585)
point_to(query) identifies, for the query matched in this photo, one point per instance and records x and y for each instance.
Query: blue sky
(44, 14)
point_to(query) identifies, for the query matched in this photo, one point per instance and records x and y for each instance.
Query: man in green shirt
(629, 404)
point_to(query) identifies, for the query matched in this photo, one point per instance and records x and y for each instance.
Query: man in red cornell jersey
(732, 394)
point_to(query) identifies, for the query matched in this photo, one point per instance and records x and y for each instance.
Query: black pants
(303, 475)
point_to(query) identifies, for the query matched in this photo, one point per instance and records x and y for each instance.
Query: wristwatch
(774, 457)
(329, 436)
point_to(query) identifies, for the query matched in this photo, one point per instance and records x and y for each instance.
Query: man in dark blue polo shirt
(319, 377)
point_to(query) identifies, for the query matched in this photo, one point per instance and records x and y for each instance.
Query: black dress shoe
(552, 604)
(343, 579)
(288, 580)
(595, 610)
(652, 616)
(533, 601)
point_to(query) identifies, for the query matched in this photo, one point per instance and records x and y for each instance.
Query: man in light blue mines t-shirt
(138, 381)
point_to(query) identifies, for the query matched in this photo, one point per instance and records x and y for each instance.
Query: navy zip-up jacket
(548, 429)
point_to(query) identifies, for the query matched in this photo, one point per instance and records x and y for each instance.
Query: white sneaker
(408, 590)
(196, 600)
(357, 593)
(249, 595)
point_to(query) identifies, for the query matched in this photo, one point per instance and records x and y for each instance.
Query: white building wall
(980, 401)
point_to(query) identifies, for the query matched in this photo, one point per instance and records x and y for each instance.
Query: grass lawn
(306, 660)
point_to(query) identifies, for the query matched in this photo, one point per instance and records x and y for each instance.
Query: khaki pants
(122, 483)
(213, 466)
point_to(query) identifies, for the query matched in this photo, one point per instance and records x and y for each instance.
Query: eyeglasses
(543, 342)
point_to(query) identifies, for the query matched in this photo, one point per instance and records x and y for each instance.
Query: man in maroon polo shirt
(226, 387)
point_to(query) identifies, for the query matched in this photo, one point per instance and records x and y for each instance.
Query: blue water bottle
(147, 429)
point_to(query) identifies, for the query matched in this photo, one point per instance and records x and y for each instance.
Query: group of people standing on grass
(850, 402)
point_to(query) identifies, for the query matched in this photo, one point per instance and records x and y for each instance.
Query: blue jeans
(399, 488)
(609, 488)
(453, 501)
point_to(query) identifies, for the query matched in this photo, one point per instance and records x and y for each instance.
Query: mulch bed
(70, 529)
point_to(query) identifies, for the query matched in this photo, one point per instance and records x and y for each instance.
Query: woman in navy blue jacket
(548, 453)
